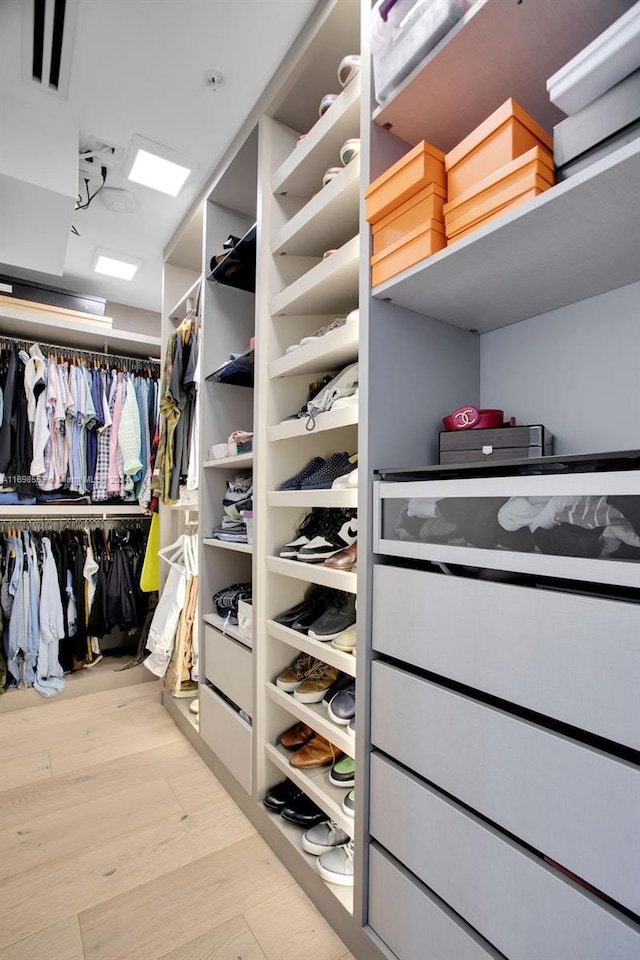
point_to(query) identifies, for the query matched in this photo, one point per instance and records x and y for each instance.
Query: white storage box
(606, 61)
(245, 620)
(398, 45)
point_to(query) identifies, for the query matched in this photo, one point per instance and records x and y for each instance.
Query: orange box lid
(499, 117)
(417, 151)
(434, 225)
(429, 190)
(537, 155)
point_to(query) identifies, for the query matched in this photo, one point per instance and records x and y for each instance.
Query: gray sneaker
(336, 866)
(323, 837)
(349, 803)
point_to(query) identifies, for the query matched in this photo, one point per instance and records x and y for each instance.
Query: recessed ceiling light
(115, 265)
(158, 167)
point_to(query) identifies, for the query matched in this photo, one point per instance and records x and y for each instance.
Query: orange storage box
(505, 135)
(529, 195)
(537, 162)
(426, 205)
(409, 250)
(411, 174)
(480, 211)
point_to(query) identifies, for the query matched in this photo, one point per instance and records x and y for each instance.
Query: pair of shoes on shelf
(350, 320)
(287, 799)
(321, 534)
(324, 614)
(334, 851)
(349, 150)
(340, 700)
(315, 388)
(307, 678)
(320, 474)
(348, 68)
(318, 752)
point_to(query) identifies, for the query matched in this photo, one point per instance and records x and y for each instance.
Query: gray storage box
(606, 121)
(502, 443)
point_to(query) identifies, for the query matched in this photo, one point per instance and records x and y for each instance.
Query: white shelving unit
(331, 352)
(345, 662)
(313, 498)
(330, 420)
(241, 461)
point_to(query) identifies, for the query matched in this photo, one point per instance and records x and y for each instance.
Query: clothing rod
(5, 338)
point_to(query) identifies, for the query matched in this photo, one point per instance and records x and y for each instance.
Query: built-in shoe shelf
(329, 420)
(316, 785)
(497, 50)
(225, 545)
(227, 629)
(331, 352)
(230, 463)
(315, 715)
(345, 662)
(293, 834)
(314, 573)
(313, 498)
(330, 286)
(327, 221)
(301, 173)
(519, 265)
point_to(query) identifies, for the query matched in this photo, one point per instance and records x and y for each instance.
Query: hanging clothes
(69, 428)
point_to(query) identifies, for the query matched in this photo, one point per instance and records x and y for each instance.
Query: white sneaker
(346, 640)
(336, 866)
(348, 481)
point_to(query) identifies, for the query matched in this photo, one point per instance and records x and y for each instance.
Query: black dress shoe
(309, 601)
(303, 812)
(278, 797)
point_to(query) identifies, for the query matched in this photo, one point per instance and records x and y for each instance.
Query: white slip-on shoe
(327, 101)
(349, 150)
(330, 175)
(349, 68)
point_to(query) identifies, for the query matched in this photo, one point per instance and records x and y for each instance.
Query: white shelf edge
(313, 498)
(227, 463)
(314, 787)
(341, 194)
(224, 545)
(293, 835)
(345, 662)
(227, 630)
(314, 573)
(181, 506)
(182, 302)
(330, 420)
(332, 351)
(324, 275)
(68, 510)
(320, 132)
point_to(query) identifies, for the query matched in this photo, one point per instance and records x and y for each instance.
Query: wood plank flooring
(118, 843)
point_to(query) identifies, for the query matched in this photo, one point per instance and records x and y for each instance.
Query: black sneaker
(295, 482)
(309, 528)
(343, 681)
(327, 472)
(334, 534)
(336, 618)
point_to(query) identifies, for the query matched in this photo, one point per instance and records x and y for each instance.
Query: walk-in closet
(320, 581)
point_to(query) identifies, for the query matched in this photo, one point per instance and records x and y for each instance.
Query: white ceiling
(140, 67)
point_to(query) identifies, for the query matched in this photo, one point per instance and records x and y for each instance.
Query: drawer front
(228, 665)
(573, 658)
(575, 804)
(520, 904)
(545, 525)
(407, 917)
(228, 735)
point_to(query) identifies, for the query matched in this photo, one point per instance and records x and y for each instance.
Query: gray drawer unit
(415, 924)
(229, 667)
(573, 658)
(575, 804)
(524, 907)
(228, 735)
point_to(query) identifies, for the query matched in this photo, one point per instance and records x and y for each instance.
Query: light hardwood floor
(118, 843)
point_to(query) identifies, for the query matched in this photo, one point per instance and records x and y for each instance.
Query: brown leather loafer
(347, 559)
(317, 753)
(296, 736)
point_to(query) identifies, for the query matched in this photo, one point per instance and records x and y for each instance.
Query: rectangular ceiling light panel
(157, 167)
(115, 265)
